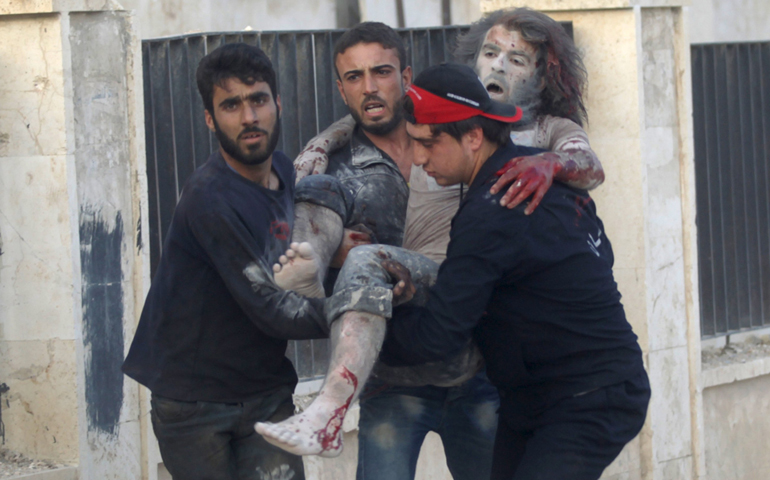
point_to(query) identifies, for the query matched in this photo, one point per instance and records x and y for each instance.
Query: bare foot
(298, 271)
(317, 430)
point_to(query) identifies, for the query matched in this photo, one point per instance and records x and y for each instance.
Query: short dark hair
(494, 131)
(559, 62)
(370, 32)
(247, 63)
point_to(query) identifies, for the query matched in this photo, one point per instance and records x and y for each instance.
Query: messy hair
(247, 63)
(558, 61)
(371, 32)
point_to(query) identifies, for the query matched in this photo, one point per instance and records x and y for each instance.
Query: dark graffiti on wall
(102, 289)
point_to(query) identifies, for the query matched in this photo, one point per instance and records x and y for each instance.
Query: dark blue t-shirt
(535, 291)
(214, 325)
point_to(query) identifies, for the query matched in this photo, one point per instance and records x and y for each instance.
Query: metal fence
(731, 116)
(178, 140)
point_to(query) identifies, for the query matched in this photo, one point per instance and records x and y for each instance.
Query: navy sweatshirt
(535, 291)
(214, 325)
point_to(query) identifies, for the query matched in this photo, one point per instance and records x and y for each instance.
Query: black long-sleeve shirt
(214, 325)
(536, 292)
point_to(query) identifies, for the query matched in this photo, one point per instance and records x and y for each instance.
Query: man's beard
(380, 129)
(256, 155)
(527, 97)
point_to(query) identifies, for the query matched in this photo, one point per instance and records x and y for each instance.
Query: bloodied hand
(531, 176)
(403, 288)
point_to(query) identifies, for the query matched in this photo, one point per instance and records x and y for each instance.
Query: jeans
(395, 420)
(575, 439)
(217, 441)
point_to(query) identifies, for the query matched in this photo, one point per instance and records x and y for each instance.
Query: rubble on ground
(14, 464)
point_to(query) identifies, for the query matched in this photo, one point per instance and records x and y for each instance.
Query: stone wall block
(669, 411)
(736, 446)
(41, 375)
(31, 87)
(36, 262)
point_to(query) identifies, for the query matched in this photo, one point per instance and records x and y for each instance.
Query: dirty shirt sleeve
(480, 253)
(232, 250)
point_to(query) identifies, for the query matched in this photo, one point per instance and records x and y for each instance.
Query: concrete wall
(158, 18)
(37, 332)
(736, 444)
(72, 268)
(729, 21)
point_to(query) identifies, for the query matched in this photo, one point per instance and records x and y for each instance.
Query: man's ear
(209, 120)
(342, 92)
(406, 78)
(474, 137)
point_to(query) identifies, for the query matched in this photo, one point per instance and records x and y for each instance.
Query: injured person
(536, 293)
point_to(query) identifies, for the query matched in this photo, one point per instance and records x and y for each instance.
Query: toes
(291, 253)
(261, 428)
(305, 250)
(277, 268)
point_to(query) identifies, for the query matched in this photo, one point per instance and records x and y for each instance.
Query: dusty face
(443, 157)
(372, 85)
(245, 120)
(506, 63)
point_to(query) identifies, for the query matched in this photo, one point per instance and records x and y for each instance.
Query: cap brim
(504, 112)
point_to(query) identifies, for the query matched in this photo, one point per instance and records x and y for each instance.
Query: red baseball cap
(451, 92)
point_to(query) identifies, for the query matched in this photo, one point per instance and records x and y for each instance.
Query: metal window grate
(731, 118)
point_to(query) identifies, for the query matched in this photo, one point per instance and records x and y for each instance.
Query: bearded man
(211, 341)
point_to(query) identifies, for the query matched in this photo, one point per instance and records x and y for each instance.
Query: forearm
(334, 137)
(279, 313)
(314, 158)
(579, 168)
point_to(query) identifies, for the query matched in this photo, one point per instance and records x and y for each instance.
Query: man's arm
(278, 313)
(314, 158)
(478, 257)
(571, 161)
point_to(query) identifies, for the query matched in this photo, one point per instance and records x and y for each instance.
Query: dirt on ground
(14, 464)
(751, 349)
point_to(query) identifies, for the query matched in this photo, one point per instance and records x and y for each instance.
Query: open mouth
(374, 108)
(251, 136)
(494, 88)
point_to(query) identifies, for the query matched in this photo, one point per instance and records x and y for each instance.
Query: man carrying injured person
(536, 293)
(523, 56)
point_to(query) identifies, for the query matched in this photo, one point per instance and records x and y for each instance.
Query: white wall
(158, 18)
(729, 21)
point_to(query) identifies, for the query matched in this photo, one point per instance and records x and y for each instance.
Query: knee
(326, 191)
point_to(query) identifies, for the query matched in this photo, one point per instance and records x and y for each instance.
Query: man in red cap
(536, 293)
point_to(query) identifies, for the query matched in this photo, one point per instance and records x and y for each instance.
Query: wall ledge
(65, 473)
(735, 372)
(565, 5)
(26, 7)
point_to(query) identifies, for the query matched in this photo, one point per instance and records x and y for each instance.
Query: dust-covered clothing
(215, 326)
(431, 207)
(364, 186)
